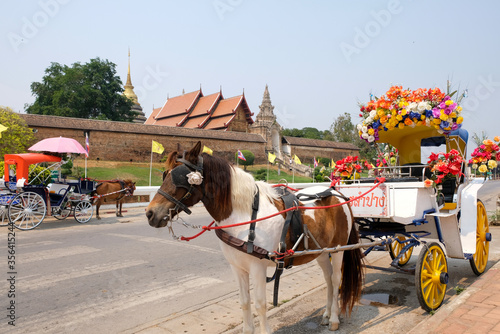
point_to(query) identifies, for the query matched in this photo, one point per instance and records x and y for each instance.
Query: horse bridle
(180, 180)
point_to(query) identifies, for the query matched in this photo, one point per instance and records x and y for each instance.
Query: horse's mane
(243, 190)
(217, 177)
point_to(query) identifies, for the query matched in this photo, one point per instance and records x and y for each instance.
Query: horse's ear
(172, 158)
(196, 150)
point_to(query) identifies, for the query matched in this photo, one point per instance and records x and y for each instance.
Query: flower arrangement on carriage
(400, 108)
(349, 168)
(485, 157)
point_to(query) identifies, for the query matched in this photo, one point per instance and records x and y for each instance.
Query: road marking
(67, 320)
(168, 242)
(55, 253)
(37, 282)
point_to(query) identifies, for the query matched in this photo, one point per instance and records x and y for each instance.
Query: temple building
(266, 125)
(129, 92)
(211, 112)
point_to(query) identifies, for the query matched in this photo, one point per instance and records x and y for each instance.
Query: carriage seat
(416, 169)
(57, 192)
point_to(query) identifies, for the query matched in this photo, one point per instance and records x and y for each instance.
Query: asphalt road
(119, 275)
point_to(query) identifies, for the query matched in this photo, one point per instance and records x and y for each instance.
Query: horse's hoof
(98, 218)
(325, 321)
(119, 215)
(334, 326)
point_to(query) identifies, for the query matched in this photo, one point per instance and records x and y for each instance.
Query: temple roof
(193, 110)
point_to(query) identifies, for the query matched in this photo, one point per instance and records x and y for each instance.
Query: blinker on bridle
(180, 180)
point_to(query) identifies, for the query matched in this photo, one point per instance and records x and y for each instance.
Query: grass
(139, 172)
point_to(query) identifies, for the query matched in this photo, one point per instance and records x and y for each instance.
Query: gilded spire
(129, 89)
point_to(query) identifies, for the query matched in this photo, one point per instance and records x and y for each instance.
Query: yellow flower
(436, 121)
(449, 102)
(422, 117)
(401, 125)
(453, 115)
(443, 117)
(459, 108)
(371, 132)
(403, 112)
(399, 117)
(483, 169)
(380, 112)
(492, 164)
(460, 120)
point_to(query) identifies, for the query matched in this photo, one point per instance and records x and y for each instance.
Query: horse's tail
(352, 274)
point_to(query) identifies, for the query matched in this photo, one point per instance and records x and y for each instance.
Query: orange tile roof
(220, 122)
(227, 106)
(205, 104)
(171, 121)
(196, 122)
(179, 105)
(151, 119)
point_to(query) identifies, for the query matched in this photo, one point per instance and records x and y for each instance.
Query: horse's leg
(97, 206)
(119, 212)
(258, 272)
(244, 284)
(332, 274)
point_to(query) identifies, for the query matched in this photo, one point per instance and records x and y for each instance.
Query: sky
(320, 59)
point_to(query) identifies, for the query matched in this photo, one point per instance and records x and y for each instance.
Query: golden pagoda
(129, 92)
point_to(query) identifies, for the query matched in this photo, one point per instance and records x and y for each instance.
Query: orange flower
(428, 183)
(408, 121)
(497, 138)
(488, 142)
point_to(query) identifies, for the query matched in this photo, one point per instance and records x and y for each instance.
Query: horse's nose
(150, 214)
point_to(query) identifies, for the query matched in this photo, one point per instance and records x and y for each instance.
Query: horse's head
(130, 185)
(182, 187)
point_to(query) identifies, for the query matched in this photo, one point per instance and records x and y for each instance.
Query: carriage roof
(23, 161)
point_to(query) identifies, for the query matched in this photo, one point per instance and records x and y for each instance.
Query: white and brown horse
(228, 194)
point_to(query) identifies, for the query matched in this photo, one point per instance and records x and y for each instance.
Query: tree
(249, 156)
(342, 130)
(92, 90)
(18, 137)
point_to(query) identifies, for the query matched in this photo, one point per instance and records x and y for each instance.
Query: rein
(128, 190)
(211, 227)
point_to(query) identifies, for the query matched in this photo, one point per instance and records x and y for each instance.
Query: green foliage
(343, 130)
(38, 175)
(67, 167)
(325, 161)
(260, 174)
(321, 174)
(2, 168)
(18, 137)
(307, 132)
(248, 155)
(91, 90)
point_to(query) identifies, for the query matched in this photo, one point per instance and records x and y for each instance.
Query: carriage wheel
(431, 277)
(395, 248)
(83, 211)
(27, 210)
(62, 212)
(4, 219)
(479, 260)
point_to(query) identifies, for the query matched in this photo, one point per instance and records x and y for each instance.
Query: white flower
(359, 126)
(195, 178)
(373, 113)
(371, 139)
(364, 135)
(412, 106)
(364, 129)
(424, 105)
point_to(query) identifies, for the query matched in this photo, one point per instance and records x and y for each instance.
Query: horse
(228, 194)
(113, 190)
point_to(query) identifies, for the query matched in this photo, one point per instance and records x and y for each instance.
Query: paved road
(118, 275)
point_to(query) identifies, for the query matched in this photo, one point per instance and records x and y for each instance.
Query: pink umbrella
(59, 145)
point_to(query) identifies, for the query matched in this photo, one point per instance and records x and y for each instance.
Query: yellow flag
(333, 164)
(296, 160)
(157, 147)
(271, 157)
(207, 150)
(2, 129)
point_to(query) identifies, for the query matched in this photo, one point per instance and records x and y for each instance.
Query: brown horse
(229, 195)
(115, 190)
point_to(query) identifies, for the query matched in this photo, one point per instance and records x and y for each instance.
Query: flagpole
(150, 167)
(85, 166)
(267, 179)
